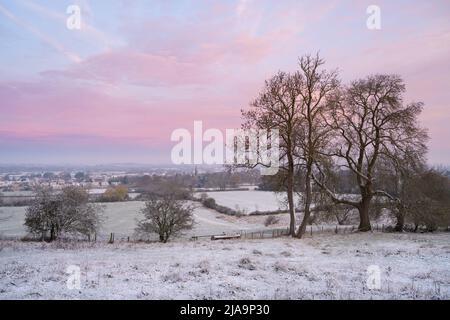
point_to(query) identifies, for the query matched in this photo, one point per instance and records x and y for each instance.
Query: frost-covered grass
(413, 266)
(249, 201)
(120, 218)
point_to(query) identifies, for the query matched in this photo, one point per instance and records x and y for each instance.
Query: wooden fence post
(336, 231)
(111, 238)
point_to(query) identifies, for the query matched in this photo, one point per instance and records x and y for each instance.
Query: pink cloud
(55, 111)
(125, 66)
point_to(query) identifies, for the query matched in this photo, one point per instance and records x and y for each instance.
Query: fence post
(336, 230)
(311, 231)
(95, 236)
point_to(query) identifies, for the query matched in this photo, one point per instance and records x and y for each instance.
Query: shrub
(51, 215)
(114, 194)
(270, 220)
(209, 203)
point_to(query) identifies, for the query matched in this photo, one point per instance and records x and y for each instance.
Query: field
(120, 218)
(321, 266)
(413, 266)
(249, 201)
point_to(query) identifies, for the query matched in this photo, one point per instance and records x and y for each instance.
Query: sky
(114, 90)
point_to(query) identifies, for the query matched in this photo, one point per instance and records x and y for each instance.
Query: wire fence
(238, 234)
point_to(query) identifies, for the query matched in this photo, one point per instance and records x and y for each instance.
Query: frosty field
(120, 218)
(413, 266)
(249, 201)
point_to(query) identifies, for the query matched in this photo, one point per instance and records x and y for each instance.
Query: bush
(51, 215)
(209, 203)
(426, 199)
(270, 220)
(115, 194)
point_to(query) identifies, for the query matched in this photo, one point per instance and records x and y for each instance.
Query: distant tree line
(229, 178)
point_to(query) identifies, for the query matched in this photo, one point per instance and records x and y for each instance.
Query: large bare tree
(278, 107)
(315, 88)
(370, 122)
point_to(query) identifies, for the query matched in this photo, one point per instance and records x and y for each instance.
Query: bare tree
(425, 199)
(394, 175)
(370, 122)
(315, 88)
(278, 107)
(51, 215)
(165, 216)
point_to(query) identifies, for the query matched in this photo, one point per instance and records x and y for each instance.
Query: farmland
(120, 218)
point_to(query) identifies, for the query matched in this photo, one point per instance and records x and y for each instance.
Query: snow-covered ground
(249, 201)
(413, 266)
(120, 218)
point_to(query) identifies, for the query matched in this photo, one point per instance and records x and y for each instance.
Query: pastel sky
(116, 89)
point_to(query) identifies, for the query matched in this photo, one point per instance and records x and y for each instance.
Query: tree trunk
(290, 194)
(401, 208)
(400, 220)
(307, 209)
(364, 219)
(52, 233)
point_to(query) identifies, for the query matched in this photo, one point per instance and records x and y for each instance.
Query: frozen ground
(413, 266)
(120, 218)
(249, 201)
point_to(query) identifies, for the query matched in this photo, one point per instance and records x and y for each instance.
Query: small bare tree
(165, 216)
(426, 200)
